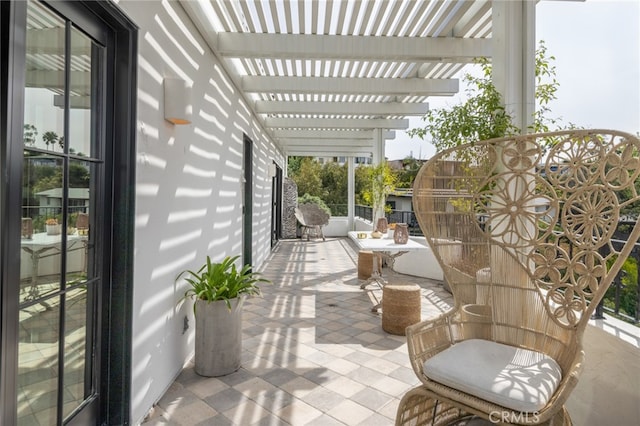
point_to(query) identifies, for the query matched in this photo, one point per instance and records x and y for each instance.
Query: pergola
(339, 77)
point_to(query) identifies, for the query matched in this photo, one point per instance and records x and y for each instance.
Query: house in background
(400, 199)
(185, 113)
(50, 201)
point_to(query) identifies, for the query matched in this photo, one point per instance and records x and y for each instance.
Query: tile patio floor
(315, 354)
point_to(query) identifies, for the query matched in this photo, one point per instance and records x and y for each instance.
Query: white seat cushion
(519, 379)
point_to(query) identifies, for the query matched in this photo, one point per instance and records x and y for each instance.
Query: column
(378, 157)
(514, 45)
(351, 196)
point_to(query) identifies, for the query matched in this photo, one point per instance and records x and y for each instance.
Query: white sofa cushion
(519, 379)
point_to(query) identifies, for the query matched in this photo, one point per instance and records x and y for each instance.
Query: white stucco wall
(421, 263)
(338, 226)
(188, 190)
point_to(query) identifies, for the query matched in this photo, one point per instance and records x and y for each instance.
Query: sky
(596, 45)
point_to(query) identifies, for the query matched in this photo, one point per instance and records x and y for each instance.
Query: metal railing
(365, 212)
(338, 209)
(621, 300)
(394, 216)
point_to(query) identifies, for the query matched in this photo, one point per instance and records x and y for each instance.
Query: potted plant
(219, 290)
(382, 180)
(52, 226)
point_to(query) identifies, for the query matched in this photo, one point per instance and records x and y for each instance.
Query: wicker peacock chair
(524, 238)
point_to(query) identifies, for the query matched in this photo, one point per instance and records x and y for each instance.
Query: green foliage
(43, 178)
(628, 291)
(328, 182)
(483, 115)
(545, 91)
(624, 195)
(221, 281)
(50, 138)
(362, 182)
(29, 134)
(34, 173)
(382, 180)
(79, 176)
(308, 177)
(406, 176)
(334, 183)
(48, 182)
(293, 165)
(312, 199)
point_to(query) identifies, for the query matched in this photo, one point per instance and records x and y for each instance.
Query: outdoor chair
(525, 238)
(312, 218)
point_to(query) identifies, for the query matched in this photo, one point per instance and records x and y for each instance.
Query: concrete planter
(218, 337)
(53, 229)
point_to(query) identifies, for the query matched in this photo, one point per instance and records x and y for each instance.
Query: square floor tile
(313, 352)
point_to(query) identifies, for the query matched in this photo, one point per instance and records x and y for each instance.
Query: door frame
(247, 201)
(116, 297)
(276, 205)
(11, 119)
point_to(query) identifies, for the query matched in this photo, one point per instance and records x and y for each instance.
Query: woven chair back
(311, 215)
(526, 234)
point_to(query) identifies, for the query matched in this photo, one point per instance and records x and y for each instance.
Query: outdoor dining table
(42, 245)
(389, 250)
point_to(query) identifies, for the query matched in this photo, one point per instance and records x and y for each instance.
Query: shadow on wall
(189, 191)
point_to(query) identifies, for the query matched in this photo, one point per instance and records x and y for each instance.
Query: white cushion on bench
(519, 379)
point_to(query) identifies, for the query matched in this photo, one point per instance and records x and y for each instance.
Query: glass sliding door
(67, 170)
(62, 169)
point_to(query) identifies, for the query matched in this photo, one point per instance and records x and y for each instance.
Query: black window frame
(115, 340)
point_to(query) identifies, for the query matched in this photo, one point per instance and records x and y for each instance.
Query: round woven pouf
(365, 264)
(400, 307)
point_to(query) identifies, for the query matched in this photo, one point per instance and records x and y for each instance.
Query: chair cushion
(519, 379)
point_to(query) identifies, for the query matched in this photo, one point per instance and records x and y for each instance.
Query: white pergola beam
(336, 123)
(329, 134)
(353, 108)
(47, 41)
(77, 102)
(469, 20)
(313, 142)
(311, 46)
(300, 67)
(315, 152)
(80, 80)
(351, 86)
(450, 13)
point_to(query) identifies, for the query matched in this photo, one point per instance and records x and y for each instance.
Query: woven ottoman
(400, 307)
(365, 264)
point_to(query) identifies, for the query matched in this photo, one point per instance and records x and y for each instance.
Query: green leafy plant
(50, 138)
(222, 281)
(29, 134)
(483, 115)
(381, 181)
(306, 173)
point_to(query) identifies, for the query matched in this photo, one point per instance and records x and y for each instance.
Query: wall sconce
(272, 170)
(177, 101)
